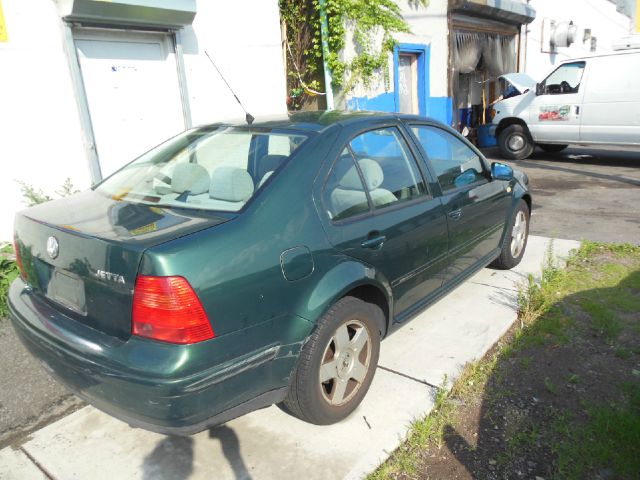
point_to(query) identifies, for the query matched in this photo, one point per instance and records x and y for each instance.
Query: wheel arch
(505, 122)
(349, 278)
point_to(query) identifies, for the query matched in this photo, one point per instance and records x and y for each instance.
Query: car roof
(318, 120)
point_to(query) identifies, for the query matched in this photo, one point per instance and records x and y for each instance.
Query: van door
(554, 115)
(611, 108)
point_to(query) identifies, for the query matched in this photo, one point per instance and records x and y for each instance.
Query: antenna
(248, 116)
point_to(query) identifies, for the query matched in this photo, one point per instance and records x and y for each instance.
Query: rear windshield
(212, 168)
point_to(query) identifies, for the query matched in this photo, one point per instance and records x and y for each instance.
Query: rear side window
(388, 168)
(455, 164)
(377, 168)
(344, 195)
(211, 168)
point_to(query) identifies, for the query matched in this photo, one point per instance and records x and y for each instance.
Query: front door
(554, 114)
(476, 206)
(381, 212)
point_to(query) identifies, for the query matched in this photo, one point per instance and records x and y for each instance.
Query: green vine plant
(366, 20)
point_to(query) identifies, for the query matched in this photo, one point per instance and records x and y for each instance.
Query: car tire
(343, 350)
(516, 240)
(515, 142)
(552, 147)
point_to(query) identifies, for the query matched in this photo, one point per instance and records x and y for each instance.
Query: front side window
(455, 164)
(210, 168)
(565, 79)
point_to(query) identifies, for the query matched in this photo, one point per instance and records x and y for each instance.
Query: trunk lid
(82, 253)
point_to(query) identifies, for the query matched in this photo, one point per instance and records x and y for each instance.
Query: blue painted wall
(438, 108)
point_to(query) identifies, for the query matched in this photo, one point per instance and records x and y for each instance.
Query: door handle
(577, 109)
(455, 214)
(374, 242)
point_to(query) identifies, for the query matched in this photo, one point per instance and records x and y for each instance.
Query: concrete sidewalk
(269, 444)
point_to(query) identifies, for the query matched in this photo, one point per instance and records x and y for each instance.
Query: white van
(586, 101)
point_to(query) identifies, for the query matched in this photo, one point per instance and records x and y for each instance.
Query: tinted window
(565, 79)
(455, 164)
(344, 194)
(388, 168)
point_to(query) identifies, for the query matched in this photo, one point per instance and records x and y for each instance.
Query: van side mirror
(539, 89)
(500, 171)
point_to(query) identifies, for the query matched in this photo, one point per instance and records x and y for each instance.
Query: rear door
(554, 114)
(476, 206)
(611, 109)
(378, 208)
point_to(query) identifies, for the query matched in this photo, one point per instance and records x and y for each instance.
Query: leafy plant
(8, 273)
(372, 24)
(35, 196)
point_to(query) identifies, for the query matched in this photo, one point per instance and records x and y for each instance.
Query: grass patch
(554, 398)
(608, 442)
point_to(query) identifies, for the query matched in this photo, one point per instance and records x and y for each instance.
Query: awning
(509, 11)
(144, 13)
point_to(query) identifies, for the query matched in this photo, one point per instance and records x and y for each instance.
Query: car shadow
(173, 457)
(539, 392)
(231, 448)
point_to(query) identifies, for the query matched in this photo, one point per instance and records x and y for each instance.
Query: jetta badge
(52, 247)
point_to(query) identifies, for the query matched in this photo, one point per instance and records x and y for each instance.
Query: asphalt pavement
(583, 193)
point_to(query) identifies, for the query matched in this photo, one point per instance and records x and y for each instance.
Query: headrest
(231, 184)
(190, 176)
(269, 163)
(371, 171)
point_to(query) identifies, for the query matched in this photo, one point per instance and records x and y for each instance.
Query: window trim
(584, 67)
(425, 196)
(486, 171)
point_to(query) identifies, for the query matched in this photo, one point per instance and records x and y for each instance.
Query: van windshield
(212, 168)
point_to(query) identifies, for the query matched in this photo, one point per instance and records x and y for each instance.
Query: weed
(623, 353)
(550, 386)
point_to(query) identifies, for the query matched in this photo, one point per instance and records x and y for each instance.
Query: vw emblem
(52, 247)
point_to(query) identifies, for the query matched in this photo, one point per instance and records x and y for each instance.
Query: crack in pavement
(424, 382)
(38, 465)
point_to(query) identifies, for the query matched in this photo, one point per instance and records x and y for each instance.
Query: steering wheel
(565, 87)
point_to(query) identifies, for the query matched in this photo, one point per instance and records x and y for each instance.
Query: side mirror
(500, 171)
(539, 89)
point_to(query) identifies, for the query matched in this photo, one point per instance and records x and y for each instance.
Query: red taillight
(16, 250)
(167, 309)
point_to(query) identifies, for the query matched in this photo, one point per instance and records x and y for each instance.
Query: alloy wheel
(345, 362)
(518, 234)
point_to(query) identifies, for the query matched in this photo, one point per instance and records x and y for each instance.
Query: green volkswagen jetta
(238, 266)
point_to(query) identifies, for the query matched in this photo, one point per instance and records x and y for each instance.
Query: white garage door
(132, 88)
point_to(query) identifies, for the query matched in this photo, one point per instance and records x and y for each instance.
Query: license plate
(67, 291)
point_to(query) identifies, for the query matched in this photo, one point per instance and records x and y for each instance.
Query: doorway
(132, 89)
(411, 78)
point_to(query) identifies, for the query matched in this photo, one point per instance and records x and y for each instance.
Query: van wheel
(552, 147)
(516, 241)
(337, 364)
(515, 142)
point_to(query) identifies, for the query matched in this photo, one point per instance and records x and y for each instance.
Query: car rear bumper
(175, 389)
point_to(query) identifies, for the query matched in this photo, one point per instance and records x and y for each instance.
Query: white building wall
(606, 24)
(429, 27)
(40, 132)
